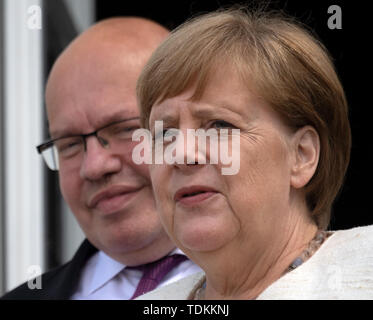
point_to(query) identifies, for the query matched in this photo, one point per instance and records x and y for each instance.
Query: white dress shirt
(104, 278)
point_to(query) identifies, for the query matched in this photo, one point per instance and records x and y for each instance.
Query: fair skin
(91, 85)
(249, 227)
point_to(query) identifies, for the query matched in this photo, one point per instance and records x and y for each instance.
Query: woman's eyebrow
(167, 119)
(170, 118)
(214, 111)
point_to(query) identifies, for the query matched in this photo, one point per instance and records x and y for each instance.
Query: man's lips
(113, 198)
(193, 195)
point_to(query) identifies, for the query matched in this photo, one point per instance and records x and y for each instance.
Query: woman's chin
(204, 237)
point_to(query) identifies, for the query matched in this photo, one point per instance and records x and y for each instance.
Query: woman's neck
(246, 272)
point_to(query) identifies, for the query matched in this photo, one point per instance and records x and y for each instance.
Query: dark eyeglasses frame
(40, 148)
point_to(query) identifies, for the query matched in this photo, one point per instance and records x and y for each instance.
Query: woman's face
(204, 210)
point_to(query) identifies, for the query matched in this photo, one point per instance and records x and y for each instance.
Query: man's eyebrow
(60, 134)
(117, 117)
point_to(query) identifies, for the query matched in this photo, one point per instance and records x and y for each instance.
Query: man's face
(110, 196)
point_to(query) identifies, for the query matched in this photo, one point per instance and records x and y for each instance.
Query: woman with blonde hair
(260, 233)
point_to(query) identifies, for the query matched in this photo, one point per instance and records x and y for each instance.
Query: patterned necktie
(155, 271)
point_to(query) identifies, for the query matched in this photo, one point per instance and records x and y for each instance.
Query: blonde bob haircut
(281, 62)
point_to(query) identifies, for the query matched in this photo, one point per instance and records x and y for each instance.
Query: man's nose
(98, 161)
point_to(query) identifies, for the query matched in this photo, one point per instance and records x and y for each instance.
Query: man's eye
(122, 131)
(128, 129)
(69, 146)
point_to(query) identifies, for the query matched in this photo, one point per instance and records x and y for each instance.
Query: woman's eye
(166, 134)
(161, 135)
(221, 124)
(170, 132)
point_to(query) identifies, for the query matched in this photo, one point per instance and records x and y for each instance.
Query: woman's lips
(196, 199)
(113, 199)
(193, 195)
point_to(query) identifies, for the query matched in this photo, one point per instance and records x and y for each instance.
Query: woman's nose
(191, 149)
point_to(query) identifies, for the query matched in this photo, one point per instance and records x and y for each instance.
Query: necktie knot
(154, 272)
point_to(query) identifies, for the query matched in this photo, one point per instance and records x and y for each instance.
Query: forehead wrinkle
(212, 111)
(119, 115)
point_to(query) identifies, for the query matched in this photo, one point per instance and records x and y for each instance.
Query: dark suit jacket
(58, 283)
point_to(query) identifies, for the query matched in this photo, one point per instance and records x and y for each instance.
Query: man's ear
(306, 144)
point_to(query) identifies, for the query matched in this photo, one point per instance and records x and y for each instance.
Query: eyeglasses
(71, 147)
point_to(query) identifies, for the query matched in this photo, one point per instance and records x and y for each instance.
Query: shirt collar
(105, 269)
(176, 251)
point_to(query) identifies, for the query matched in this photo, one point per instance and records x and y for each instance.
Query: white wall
(1, 153)
(82, 11)
(23, 178)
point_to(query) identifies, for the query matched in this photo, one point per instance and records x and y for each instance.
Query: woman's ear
(306, 144)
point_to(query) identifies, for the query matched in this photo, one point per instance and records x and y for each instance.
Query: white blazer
(342, 268)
